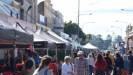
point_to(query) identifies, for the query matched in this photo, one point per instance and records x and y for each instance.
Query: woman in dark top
(119, 64)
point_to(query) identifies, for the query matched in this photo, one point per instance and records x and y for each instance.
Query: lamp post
(78, 16)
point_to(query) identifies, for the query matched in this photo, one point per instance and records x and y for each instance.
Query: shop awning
(54, 35)
(44, 36)
(10, 36)
(50, 39)
(41, 39)
(38, 38)
(40, 42)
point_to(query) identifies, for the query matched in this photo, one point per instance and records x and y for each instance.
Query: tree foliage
(73, 28)
(88, 37)
(107, 42)
(101, 43)
(97, 40)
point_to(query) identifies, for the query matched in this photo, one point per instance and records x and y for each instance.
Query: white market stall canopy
(50, 36)
(38, 38)
(89, 46)
(57, 37)
(50, 39)
(43, 36)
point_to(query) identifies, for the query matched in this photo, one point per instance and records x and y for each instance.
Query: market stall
(90, 48)
(40, 45)
(12, 42)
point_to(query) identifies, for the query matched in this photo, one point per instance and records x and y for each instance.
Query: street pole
(78, 16)
(14, 58)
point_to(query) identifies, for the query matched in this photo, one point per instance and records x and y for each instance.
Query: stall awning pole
(56, 51)
(14, 58)
(47, 51)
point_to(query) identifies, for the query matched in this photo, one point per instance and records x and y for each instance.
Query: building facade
(49, 13)
(58, 23)
(27, 10)
(129, 37)
(52, 18)
(30, 11)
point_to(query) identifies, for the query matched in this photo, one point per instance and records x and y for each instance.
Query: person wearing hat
(81, 64)
(67, 67)
(43, 68)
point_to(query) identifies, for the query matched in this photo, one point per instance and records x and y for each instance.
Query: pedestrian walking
(29, 64)
(91, 62)
(126, 65)
(111, 56)
(37, 59)
(81, 64)
(109, 64)
(67, 67)
(43, 68)
(59, 64)
(130, 58)
(100, 65)
(119, 64)
(53, 66)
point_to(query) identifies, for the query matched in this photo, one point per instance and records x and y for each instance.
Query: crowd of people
(95, 64)
(98, 63)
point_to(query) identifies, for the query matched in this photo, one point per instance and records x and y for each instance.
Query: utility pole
(78, 16)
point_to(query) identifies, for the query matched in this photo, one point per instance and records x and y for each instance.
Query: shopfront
(13, 44)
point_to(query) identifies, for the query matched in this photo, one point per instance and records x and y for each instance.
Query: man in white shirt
(91, 63)
(67, 68)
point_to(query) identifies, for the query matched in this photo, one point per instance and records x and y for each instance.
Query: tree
(88, 37)
(98, 41)
(117, 39)
(73, 28)
(109, 37)
(107, 42)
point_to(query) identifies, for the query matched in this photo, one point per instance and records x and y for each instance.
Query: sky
(98, 16)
